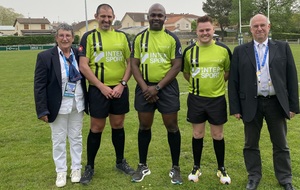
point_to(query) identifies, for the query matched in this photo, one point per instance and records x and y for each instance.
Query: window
(187, 26)
(43, 26)
(26, 26)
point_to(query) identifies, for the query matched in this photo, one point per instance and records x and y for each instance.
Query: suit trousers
(270, 110)
(67, 125)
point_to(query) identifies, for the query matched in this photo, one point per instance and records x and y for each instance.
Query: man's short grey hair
(259, 14)
(64, 26)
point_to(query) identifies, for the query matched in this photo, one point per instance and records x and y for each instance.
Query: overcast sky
(74, 10)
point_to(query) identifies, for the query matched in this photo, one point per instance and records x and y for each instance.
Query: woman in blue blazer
(60, 99)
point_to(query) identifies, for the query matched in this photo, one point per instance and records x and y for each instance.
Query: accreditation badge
(70, 89)
(258, 73)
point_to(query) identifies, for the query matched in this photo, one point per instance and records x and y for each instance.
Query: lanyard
(257, 58)
(66, 64)
(258, 73)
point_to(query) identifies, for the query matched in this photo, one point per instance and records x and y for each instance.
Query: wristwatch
(157, 87)
(124, 83)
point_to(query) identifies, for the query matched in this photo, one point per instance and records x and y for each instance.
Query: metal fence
(44, 47)
(24, 47)
(28, 47)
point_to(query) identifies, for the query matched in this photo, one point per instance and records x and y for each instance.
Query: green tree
(295, 19)
(117, 23)
(281, 15)
(280, 12)
(295, 22)
(194, 25)
(247, 8)
(219, 10)
(8, 16)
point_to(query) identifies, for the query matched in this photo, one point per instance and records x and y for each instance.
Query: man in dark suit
(263, 84)
(59, 93)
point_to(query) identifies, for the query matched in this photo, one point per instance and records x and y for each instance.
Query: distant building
(174, 22)
(80, 28)
(178, 24)
(32, 26)
(7, 30)
(133, 19)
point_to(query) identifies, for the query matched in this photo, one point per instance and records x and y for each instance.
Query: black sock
(118, 140)
(197, 146)
(219, 146)
(93, 145)
(144, 138)
(174, 140)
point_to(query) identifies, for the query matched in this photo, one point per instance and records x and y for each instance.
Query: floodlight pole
(269, 10)
(86, 21)
(240, 36)
(270, 33)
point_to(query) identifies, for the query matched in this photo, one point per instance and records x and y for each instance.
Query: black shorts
(100, 106)
(168, 101)
(201, 109)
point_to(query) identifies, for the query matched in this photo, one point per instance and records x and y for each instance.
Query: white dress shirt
(67, 102)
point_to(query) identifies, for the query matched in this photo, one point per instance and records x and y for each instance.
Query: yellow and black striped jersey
(107, 52)
(206, 66)
(156, 50)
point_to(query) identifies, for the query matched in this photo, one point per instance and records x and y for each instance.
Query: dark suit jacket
(242, 85)
(48, 82)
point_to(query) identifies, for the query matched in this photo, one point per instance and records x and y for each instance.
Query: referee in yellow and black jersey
(156, 61)
(206, 66)
(104, 61)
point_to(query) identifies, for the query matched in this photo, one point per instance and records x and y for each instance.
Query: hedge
(287, 36)
(24, 40)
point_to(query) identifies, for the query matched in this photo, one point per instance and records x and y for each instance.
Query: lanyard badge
(70, 89)
(72, 74)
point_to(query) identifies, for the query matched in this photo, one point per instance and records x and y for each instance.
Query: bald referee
(156, 61)
(104, 61)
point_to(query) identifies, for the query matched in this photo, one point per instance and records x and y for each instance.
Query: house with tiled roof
(174, 22)
(80, 28)
(178, 24)
(133, 19)
(190, 17)
(32, 26)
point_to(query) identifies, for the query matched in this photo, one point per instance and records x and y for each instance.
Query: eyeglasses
(262, 26)
(159, 15)
(62, 36)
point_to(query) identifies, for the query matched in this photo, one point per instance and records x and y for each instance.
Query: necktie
(260, 52)
(264, 73)
(74, 75)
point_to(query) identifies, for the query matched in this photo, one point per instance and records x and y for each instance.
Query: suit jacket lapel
(250, 52)
(272, 50)
(56, 64)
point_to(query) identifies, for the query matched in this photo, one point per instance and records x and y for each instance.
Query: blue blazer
(48, 82)
(242, 85)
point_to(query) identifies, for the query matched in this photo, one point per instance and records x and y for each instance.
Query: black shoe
(252, 185)
(124, 167)
(87, 175)
(140, 173)
(288, 186)
(175, 175)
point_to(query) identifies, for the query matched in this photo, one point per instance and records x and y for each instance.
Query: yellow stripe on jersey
(206, 66)
(155, 49)
(107, 52)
